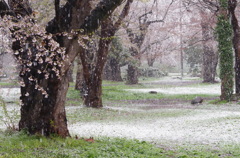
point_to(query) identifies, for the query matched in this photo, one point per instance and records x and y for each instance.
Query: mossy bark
(224, 33)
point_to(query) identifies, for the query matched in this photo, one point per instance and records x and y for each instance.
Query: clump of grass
(218, 102)
(73, 97)
(21, 145)
(72, 93)
(118, 94)
(14, 83)
(8, 118)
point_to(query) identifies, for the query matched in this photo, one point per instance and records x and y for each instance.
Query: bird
(197, 100)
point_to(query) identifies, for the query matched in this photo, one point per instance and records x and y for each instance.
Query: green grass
(119, 94)
(20, 145)
(218, 102)
(8, 84)
(105, 115)
(73, 97)
(106, 82)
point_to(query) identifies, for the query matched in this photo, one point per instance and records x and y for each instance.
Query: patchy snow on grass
(10, 94)
(210, 89)
(202, 127)
(187, 85)
(13, 111)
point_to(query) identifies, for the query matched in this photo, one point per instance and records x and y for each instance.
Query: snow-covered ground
(177, 86)
(199, 127)
(210, 89)
(10, 94)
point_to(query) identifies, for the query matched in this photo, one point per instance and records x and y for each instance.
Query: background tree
(236, 42)
(194, 57)
(210, 56)
(79, 76)
(93, 74)
(118, 57)
(224, 33)
(155, 48)
(137, 38)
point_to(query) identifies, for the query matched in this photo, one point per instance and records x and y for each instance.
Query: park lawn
(21, 145)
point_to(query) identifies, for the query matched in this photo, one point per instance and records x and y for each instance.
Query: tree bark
(137, 40)
(236, 43)
(44, 116)
(112, 70)
(210, 58)
(116, 70)
(224, 32)
(93, 78)
(150, 60)
(79, 76)
(41, 113)
(132, 74)
(93, 74)
(70, 73)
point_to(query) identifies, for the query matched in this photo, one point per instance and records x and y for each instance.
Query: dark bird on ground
(197, 100)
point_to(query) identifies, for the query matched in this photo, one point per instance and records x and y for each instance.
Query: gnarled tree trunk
(43, 98)
(45, 116)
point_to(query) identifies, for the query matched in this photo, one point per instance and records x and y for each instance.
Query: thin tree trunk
(236, 43)
(108, 73)
(210, 57)
(70, 73)
(93, 80)
(150, 60)
(132, 71)
(209, 71)
(116, 71)
(112, 70)
(132, 74)
(79, 76)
